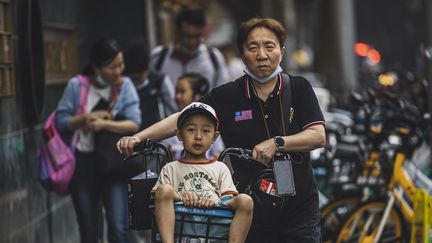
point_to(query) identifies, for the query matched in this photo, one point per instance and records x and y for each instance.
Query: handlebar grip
(140, 146)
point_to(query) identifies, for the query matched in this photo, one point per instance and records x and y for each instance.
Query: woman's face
(183, 94)
(262, 52)
(112, 72)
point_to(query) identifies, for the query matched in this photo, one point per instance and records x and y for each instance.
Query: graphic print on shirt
(200, 183)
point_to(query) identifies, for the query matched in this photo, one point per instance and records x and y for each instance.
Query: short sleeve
(164, 178)
(225, 180)
(307, 111)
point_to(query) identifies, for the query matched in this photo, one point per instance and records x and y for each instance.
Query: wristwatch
(278, 140)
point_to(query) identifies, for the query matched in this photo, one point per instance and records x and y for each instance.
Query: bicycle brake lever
(134, 155)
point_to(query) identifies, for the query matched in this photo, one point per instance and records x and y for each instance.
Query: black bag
(110, 161)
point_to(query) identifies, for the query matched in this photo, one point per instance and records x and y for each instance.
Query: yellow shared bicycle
(389, 219)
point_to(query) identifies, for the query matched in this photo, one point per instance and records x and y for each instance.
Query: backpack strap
(215, 63)
(286, 100)
(161, 58)
(157, 79)
(84, 92)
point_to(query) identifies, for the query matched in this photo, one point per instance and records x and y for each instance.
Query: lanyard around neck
(262, 110)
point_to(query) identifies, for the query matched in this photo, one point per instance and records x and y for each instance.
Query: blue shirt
(126, 106)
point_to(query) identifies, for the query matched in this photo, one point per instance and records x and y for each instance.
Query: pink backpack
(55, 158)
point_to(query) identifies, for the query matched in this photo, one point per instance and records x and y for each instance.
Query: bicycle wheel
(332, 215)
(361, 225)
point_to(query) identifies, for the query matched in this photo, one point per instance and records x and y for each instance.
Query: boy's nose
(198, 135)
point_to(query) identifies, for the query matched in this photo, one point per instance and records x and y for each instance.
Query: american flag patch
(242, 115)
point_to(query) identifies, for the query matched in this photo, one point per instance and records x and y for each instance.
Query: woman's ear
(282, 52)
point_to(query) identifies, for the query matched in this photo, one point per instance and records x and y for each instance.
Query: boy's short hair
(197, 108)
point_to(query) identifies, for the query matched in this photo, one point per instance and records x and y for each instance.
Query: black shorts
(300, 224)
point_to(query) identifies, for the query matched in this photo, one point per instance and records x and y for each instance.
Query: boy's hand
(206, 203)
(189, 199)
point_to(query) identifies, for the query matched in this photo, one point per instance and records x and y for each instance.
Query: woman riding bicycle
(251, 113)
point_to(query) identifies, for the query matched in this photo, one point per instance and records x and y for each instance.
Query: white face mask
(101, 81)
(188, 52)
(265, 79)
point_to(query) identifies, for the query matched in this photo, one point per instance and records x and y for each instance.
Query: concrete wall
(28, 213)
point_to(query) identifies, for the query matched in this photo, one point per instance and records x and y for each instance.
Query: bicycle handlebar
(238, 152)
(148, 147)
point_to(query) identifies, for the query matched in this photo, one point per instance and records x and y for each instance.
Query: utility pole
(336, 57)
(428, 47)
(151, 23)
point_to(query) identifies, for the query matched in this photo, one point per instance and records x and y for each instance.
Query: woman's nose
(119, 70)
(261, 54)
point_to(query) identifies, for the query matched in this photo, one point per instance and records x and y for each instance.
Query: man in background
(188, 53)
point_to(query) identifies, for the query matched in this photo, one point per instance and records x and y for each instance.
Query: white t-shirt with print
(208, 179)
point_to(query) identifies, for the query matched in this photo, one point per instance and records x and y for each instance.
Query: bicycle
(192, 224)
(355, 164)
(387, 220)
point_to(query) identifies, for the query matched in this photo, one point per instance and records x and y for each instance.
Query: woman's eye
(270, 47)
(252, 48)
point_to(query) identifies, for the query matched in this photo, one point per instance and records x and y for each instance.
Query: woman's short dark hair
(102, 53)
(273, 25)
(199, 84)
(195, 17)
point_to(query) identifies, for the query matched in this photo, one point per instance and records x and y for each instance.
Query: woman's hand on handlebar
(264, 152)
(125, 145)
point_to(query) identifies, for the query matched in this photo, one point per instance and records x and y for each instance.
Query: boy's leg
(242, 204)
(165, 196)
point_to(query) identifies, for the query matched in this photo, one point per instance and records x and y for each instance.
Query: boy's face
(197, 133)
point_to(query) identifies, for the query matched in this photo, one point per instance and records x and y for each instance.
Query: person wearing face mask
(109, 96)
(188, 53)
(257, 112)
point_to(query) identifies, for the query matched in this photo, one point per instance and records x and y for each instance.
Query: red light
(361, 49)
(374, 56)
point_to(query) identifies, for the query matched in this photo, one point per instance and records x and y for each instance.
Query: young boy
(196, 181)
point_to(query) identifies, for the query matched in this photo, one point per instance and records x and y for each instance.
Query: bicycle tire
(394, 231)
(333, 214)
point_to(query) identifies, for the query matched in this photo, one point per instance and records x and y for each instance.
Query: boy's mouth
(197, 145)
